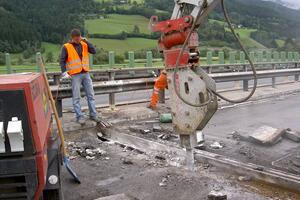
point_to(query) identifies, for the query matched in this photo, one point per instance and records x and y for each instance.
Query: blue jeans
(85, 80)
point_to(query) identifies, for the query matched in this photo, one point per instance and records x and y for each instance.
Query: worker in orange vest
(74, 62)
(160, 84)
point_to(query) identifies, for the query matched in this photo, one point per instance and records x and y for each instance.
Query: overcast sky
(294, 2)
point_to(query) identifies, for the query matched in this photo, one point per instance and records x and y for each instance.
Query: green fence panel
(8, 63)
(290, 56)
(252, 56)
(149, 57)
(209, 58)
(131, 58)
(38, 57)
(296, 56)
(269, 56)
(221, 57)
(232, 58)
(260, 56)
(91, 59)
(282, 56)
(111, 59)
(275, 56)
(242, 57)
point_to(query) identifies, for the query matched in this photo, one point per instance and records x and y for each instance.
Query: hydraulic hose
(225, 12)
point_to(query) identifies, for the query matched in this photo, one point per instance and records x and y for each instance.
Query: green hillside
(115, 23)
(244, 34)
(121, 46)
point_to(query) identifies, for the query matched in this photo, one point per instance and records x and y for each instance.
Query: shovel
(66, 160)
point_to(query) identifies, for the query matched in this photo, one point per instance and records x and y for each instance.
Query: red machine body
(174, 33)
(37, 125)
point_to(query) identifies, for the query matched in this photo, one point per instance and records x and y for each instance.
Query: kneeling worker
(160, 84)
(74, 62)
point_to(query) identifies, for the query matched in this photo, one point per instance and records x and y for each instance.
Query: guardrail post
(59, 107)
(8, 63)
(297, 75)
(131, 58)
(38, 57)
(221, 57)
(245, 85)
(111, 59)
(233, 61)
(273, 78)
(162, 95)
(58, 101)
(112, 100)
(296, 56)
(149, 57)
(275, 56)
(269, 56)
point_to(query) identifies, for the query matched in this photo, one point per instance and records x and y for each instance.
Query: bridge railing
(113, 86)
(212, 59)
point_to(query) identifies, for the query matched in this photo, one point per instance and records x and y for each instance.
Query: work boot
(95, 119)
(151, 107)
(81, 121)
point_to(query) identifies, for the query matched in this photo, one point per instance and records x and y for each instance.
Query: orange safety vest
(74, 64)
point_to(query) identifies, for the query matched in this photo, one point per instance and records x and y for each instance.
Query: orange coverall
(160, 84)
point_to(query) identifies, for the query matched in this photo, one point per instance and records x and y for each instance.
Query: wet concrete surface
(283, 112)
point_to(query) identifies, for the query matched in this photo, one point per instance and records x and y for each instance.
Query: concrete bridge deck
(122, 169)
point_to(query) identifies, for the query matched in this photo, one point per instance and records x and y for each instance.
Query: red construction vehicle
(30, 154)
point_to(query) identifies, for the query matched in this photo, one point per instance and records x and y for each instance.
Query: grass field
(54, 48)
(138, 1)
(115, 24)
(121, 46)
(247, 40)
(280, 43)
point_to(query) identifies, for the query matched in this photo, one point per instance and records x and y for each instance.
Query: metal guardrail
(147, 72)
(118, 86)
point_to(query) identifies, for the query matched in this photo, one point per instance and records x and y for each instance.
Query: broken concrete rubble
(267, 135)
(216, 145)
(292, 135)
(139, 129)
(163, 182)
(217, 195)
(157, 128)
(118, 197)
(87, 151)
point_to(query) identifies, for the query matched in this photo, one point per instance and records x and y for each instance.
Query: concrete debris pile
(154, 130)
(267, 135)
(86, 151)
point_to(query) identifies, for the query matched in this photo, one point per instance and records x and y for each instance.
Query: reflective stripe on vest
(74, 64)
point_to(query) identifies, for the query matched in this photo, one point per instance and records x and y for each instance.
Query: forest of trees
(25, 24)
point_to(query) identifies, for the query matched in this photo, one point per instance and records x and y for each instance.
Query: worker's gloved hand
(84, 39)
(65, 75)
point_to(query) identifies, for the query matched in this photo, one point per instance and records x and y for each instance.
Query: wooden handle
(58, 122)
